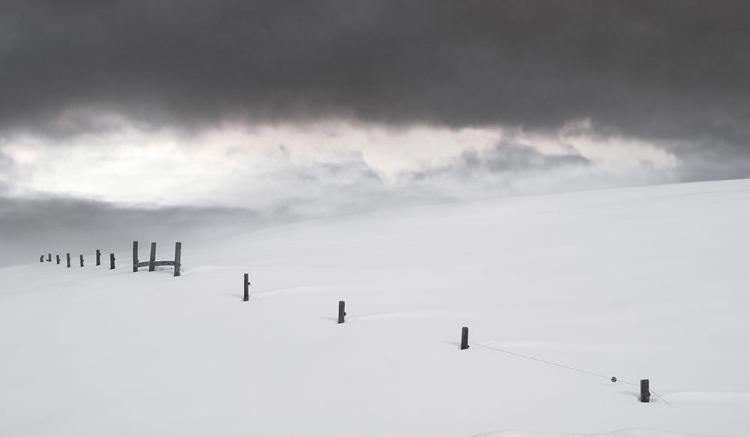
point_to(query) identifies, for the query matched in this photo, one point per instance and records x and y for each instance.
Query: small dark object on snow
(645, 393)
(614, 379)
(246, 280)
(464, 338)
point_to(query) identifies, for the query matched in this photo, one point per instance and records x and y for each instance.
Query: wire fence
(610, 378)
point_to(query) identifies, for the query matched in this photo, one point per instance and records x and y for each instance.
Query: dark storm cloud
(667, 69)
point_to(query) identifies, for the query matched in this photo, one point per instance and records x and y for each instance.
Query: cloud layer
(670, 69)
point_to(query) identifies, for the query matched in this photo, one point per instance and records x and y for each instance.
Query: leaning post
(177, 258)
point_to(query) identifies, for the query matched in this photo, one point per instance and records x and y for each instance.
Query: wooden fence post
(645, 393)
(177, 258)
(81, 260)
(41, 259)
(342, 312)
(135, 256)
(68, 256)
(152, 258)
(57, 258)
(98, 257)
(464, 338)
(49, 257)
(111, 261)
(247, 289)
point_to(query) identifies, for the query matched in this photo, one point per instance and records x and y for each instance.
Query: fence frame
(152, 263)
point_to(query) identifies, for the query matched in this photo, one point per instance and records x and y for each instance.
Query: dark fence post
(81, 260)
(464, 338)
(152, 258)
(135, 256)
(645, 393)
(68, 256)
(57, 258)
(111, 261)
(177, 258)
(49, 257)
(98, 257)
(247, 290)
(41, 259)
(342, 313)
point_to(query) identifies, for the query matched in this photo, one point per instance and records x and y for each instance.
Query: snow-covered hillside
(634, 283)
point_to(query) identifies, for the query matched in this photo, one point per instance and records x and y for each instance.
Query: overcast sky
(291, 109)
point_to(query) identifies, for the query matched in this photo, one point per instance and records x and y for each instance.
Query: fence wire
(565, 367)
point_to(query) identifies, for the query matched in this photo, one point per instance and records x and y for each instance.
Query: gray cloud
(669, 69)
(6, 163)
(506, 159)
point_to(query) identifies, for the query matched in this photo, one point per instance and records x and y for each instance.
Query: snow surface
(636, 283)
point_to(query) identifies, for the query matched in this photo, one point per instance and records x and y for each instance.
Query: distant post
(98, 257)
(135, 256)
(464, 338)
(41, 259)
(177, 258)
(645, 393)
(111, 261)
(81, 260)
(246, 282)
(342, 312)
(49, 257)
(57, 258)
(152, 258)
(68, 256)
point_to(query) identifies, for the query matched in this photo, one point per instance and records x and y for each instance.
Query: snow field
(636, 283)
